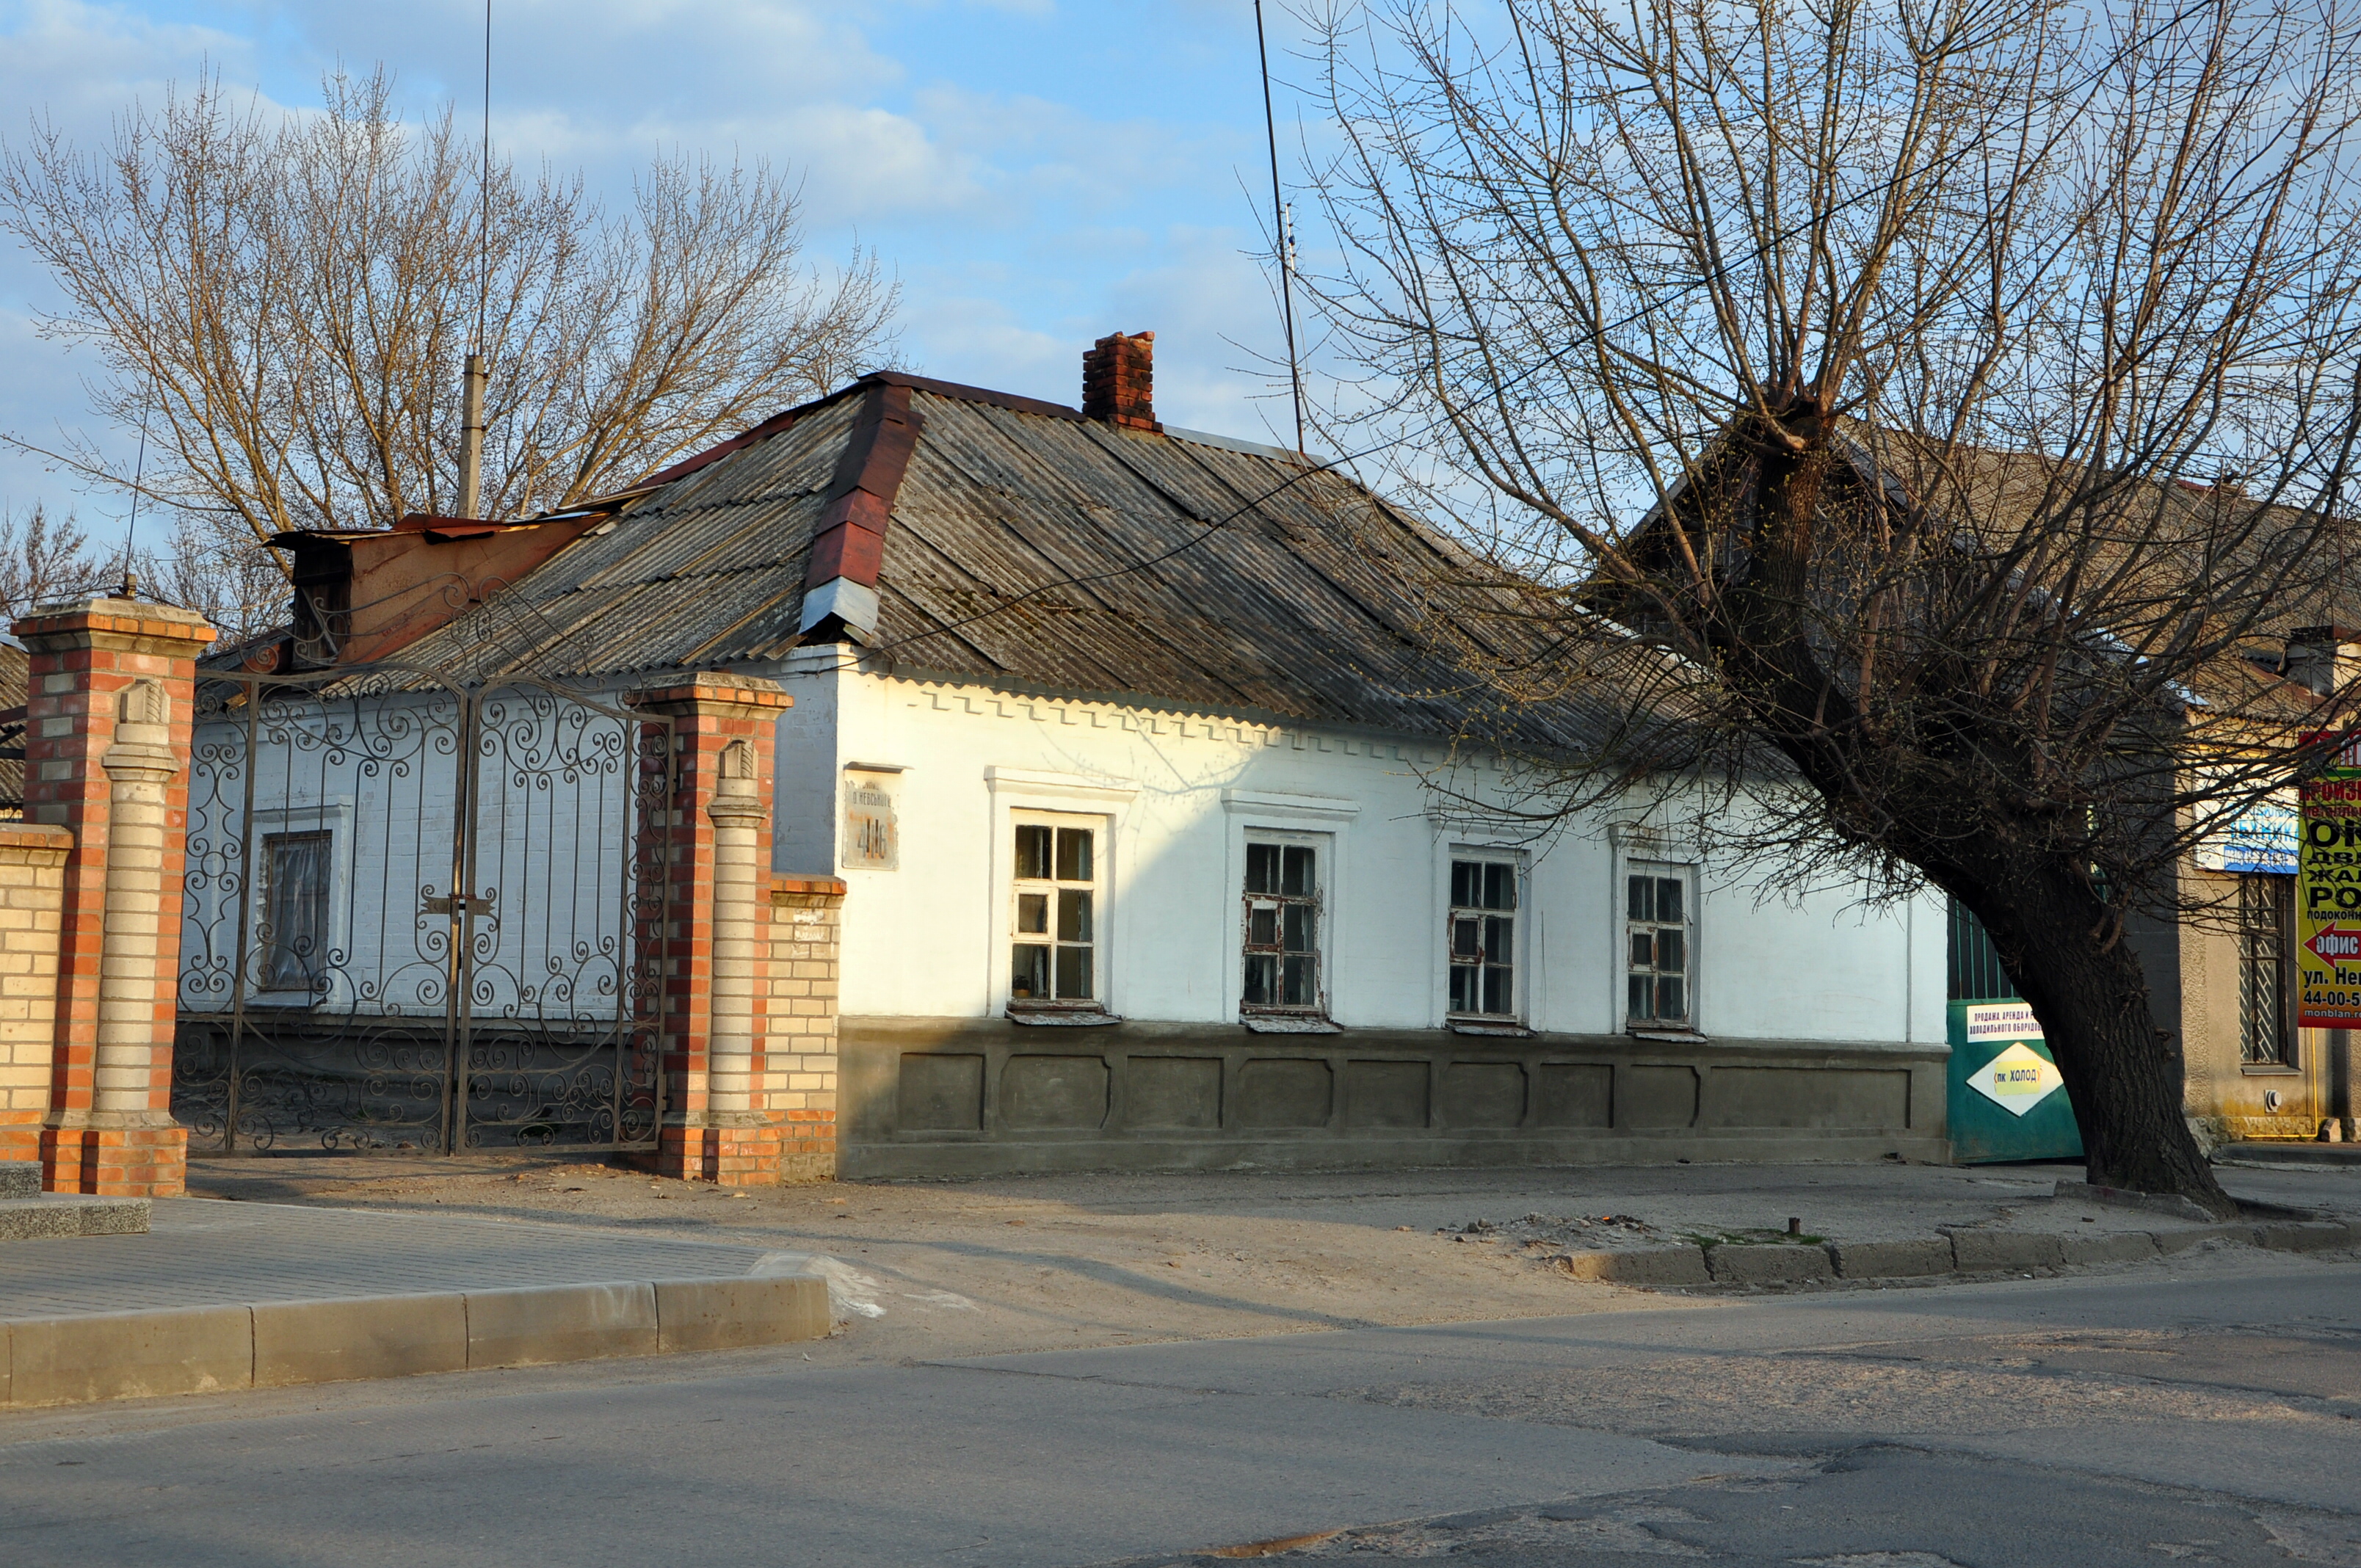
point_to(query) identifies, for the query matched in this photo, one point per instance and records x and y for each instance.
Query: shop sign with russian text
(2328, 896)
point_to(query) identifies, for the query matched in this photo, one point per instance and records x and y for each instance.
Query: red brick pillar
(106, 739)
(717, 837)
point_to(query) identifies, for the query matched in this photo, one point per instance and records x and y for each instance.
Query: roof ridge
(848, 548)
(1014, 401)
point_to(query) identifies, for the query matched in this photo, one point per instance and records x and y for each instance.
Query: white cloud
(1037, 176)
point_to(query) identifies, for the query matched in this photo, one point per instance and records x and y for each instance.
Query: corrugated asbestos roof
(1032, 547)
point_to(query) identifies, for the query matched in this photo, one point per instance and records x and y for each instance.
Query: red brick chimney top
(1119, 380)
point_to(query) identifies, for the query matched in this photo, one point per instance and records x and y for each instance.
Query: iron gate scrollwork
(421, 913)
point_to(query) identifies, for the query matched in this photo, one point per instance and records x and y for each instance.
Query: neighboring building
(2222, 979)
(12, 732)
(2226, 982)
(1165, 840)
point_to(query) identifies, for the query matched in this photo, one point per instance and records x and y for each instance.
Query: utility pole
(1283, 233)
(471, 440)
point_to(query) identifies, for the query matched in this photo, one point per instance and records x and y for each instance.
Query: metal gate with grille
(421, 913)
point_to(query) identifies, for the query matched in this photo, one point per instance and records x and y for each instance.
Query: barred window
(1657, 981)
(2265, 921)
(294, 934)
(1482, 937)
(1282, 969)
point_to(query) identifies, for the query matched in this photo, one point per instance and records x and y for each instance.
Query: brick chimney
(1119, 380)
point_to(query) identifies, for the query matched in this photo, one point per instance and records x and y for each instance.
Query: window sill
(1290, 1023)
(2269, 1070)
(1670, 1037)
(1062, 1017)
(1499, 1028)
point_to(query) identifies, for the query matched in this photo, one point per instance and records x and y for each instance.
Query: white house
(1161, 814)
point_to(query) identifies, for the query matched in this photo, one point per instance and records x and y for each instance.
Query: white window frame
(1637, 862)
(1052, 888)
(1324, 821)
(1523, 966)
(336, 820)
(1324, 848)
(1017, 794)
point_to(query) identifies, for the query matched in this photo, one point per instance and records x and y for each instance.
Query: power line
(1582, 339)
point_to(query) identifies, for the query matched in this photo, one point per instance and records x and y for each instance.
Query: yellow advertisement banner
(2328, 896)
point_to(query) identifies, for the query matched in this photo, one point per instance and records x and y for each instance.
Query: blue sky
(1039, 172)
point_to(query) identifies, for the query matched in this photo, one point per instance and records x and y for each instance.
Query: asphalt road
(2129, 1419)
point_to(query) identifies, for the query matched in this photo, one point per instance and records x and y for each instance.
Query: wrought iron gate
(421, 913)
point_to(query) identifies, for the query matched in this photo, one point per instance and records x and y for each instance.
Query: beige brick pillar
(110, 684)
(139, 769)
(739, 815)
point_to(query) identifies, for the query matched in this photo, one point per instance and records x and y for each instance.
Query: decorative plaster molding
(1022, 781)
(985, 702)
(1330, 807)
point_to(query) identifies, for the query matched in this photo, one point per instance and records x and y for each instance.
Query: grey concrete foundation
(935, 1097)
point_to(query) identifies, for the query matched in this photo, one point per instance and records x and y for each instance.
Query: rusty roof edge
(968, 394)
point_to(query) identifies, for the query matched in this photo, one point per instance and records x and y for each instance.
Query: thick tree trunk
(2123, 1073)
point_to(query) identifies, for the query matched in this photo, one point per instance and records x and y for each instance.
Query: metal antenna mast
(1283, 230)
(471, 400)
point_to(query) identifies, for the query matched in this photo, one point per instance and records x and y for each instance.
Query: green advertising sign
(2007, 1101)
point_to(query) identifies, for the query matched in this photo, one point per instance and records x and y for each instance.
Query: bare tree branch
(286, 303)
(1959, 394)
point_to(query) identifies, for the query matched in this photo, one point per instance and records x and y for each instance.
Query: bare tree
(239, 589)
(285, 304)
(1954, 393)
(42, 561)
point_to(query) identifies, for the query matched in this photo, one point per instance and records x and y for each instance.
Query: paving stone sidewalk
(200, 1253)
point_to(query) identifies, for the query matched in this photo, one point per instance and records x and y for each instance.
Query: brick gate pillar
(106, 743)
(716, 836)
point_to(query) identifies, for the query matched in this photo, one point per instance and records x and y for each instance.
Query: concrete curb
(277, 1344)
(49, 1215)
(1963, 1251)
